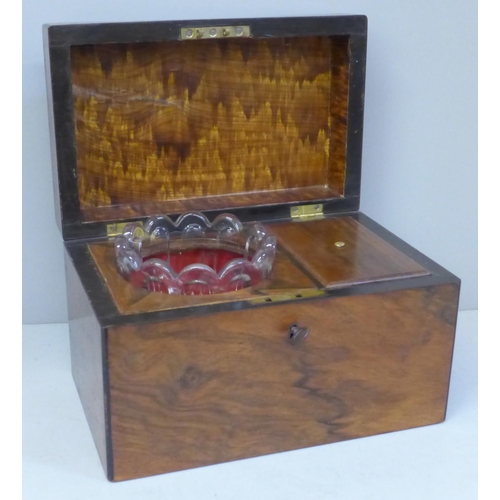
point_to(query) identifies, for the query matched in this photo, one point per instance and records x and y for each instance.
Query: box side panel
(88, 353)
(206, 390)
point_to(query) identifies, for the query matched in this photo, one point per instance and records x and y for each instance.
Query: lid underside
(214, 124)
(175, 121)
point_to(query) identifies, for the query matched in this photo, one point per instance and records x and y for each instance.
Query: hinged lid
(248, 116)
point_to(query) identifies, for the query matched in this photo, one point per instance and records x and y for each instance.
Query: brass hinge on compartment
(193, 33)
(117, 228)
(308, 212)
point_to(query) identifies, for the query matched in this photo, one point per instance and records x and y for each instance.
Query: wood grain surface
(181, 120)
(85, 335)
(364, 257)
(230, 386)
(285, 278)
(226, 201)
(339, 112)
(307, 258)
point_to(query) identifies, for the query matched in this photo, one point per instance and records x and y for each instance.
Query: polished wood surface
(286, 278)
(146, 124)
(230, 386)
(165, 121)
(307, 259)
(339, 112)
(85, 337)
(364, 256)
(227, 201)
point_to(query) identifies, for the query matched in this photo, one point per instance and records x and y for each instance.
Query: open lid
(248, 116)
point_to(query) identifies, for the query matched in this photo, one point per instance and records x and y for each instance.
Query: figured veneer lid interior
(165, 126)
(184, 120)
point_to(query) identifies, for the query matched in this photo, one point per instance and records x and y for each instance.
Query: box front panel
(234, 385)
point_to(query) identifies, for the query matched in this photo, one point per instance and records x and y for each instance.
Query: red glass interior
(214, 258)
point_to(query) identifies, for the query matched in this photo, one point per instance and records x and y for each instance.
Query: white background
(420, 140)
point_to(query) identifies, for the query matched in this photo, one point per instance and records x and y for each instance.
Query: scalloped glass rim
(194, 229)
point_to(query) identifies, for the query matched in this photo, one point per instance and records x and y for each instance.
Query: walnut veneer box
(262, 118)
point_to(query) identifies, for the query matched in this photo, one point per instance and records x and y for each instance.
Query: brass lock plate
(192, 33)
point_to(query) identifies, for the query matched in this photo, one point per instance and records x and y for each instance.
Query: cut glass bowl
(193, 256)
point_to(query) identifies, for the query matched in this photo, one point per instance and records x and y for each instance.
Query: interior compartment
(286, 278)
(341, 251)
(209, 124)
(310, 259)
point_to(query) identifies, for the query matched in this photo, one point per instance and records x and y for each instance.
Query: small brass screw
(225, 32)
(199, 33)
(339, 244)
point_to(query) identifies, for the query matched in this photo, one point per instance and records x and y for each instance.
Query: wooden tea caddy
(261, 118)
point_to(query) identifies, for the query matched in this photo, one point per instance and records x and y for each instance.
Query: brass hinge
(193, 33)
(307, 211)
(116, 228)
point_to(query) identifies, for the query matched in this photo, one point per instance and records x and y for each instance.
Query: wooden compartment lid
(146, 122)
